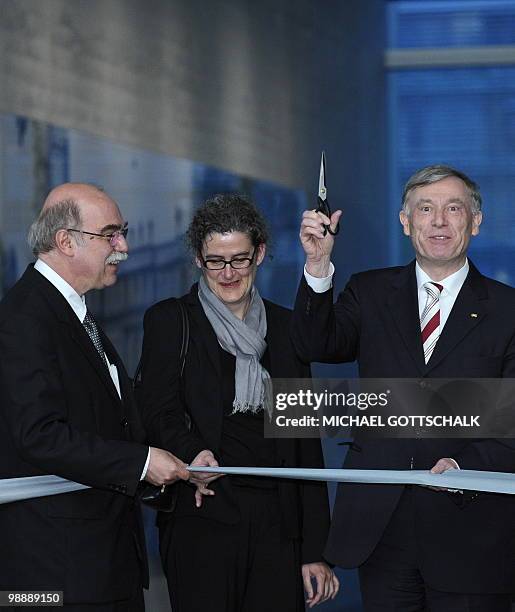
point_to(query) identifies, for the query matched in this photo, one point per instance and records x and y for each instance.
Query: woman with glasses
(232, 544)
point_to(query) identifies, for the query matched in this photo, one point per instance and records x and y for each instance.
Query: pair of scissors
(323, 203)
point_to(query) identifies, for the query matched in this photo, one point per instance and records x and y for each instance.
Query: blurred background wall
(165, 102)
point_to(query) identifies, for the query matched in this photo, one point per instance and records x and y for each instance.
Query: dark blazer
(61, 414)
(465, 547)
(165, 399)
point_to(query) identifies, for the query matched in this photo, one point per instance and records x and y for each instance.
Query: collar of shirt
(76, 301)
(451, 287)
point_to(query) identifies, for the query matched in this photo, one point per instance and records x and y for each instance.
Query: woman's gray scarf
(246, 340)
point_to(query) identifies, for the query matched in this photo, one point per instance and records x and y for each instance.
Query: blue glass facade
(450, 23)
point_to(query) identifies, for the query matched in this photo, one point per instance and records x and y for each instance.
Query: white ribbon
(16, 489)
(490, 482)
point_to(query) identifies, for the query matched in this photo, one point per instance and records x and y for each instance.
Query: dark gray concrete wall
(254, 87)
(226, 82)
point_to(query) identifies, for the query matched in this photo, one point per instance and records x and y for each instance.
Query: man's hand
(317, 246)
(165, 468)
(441, 466)
(202, 479)
(327, 583)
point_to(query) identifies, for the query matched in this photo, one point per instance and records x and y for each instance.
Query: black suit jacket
(465, 547)
(61, 414)
(166, 399)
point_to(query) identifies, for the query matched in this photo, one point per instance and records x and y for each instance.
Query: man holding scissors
(417, 548)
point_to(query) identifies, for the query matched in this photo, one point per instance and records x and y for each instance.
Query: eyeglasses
(113, 237)
(237, 263)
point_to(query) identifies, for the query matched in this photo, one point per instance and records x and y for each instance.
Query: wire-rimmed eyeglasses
(113, 237)
(236, 263)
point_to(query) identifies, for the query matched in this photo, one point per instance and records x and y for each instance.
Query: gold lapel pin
(473, 315)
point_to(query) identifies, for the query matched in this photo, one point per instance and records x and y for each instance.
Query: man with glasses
(67, 409)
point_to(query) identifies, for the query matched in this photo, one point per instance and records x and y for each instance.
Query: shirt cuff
(455, 462)
(320, 285)
(145, 467)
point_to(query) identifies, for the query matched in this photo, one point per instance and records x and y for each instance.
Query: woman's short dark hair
(224, 213)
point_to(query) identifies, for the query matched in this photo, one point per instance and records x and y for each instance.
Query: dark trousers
(247, 567)
(391, 581)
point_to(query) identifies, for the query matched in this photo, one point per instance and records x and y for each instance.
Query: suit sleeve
(324, 332)
(36, 402)
(315, 502)
(161, 403)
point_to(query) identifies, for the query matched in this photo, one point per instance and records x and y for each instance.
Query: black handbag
(163, 498)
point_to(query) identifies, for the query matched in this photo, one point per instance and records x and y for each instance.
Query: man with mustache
(66, 408)
(438, 317)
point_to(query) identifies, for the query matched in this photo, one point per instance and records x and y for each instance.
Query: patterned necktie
(430, 319)
(92, 329)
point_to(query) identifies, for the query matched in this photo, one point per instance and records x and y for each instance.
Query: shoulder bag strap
(185, 324)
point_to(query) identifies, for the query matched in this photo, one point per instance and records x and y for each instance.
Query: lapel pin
(473, 315)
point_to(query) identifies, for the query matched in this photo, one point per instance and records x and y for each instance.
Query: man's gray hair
(62, 215)
(433, 174)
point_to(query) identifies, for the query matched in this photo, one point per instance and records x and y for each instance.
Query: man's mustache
(117, 257)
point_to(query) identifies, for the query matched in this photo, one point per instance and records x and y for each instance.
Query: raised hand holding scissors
(318, 229)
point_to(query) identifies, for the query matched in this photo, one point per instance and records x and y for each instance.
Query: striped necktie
(92, 329)
(430, 319)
